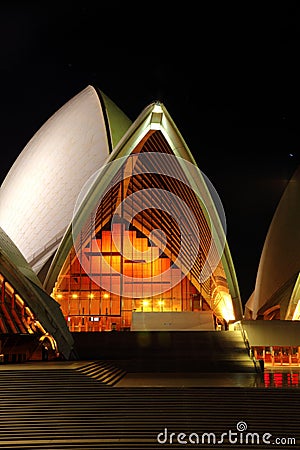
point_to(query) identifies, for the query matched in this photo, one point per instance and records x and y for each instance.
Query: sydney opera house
(109, 225)
(272, 313)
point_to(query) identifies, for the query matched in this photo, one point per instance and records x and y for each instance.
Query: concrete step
(103, 371)
(62, 408)
(207, 351)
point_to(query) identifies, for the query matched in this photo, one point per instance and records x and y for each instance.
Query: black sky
(228, 75)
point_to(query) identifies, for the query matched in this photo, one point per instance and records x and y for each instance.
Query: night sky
(228, 75)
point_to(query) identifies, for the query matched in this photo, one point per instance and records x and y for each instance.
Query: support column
(290, 355)
(272, 357)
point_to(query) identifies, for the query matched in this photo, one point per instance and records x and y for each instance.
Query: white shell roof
(280, 258)
(38, 194)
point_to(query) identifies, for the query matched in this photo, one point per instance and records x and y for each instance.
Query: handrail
(258, 364)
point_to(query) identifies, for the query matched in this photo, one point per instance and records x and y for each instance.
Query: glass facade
(142, 247)
(89, 300)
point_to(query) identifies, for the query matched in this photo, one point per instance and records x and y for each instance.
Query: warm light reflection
(296, 315)
(9, 288)
(50, 339)
(29, 313)
(20, 301)
(40, 326)
(226, 307)
(161, 304)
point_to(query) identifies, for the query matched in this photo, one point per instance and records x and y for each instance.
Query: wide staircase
(59, 406)
(205, 351)
(199, 351)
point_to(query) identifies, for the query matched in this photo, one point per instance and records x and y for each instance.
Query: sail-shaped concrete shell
(156, 127)
(56, 182)
(38, 194)
(16, 270)
(280, 258)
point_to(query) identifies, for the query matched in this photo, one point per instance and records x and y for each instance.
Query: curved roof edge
(279, 261)
(248, 310)
(18, 272)
(38, 193)
(232, 282)
(116, 121)
(11, 251)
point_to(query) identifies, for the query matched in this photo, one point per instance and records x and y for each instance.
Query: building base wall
(268, 333)
(165, 351)
(173, 321)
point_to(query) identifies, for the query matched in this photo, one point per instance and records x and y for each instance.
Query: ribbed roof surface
(38, 194)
